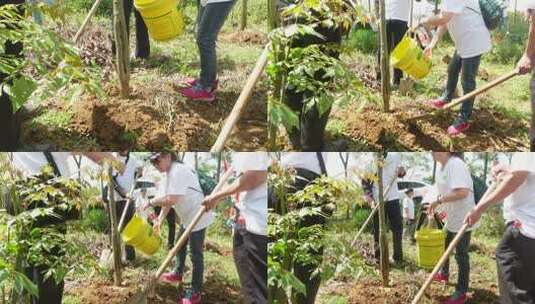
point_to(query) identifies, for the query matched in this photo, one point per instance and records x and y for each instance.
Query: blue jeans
(210, 20)
(196, 246)
(468, 68)
(462, 258)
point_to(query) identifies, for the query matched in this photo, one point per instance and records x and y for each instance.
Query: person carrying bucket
(397, 18)
(464, 22)
(250, 231)
(182, 192)
(456, 198)
(525, 65)
(514, 254)
(210, 19)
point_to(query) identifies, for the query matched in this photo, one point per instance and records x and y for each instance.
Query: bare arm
(248, 181)
(526, 62)
(439, 20)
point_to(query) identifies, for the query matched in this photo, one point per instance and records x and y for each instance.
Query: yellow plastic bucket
(139, 234)
(409, 57)
(163, 18)
(430, 243)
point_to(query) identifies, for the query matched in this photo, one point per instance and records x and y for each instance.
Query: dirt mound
(490, 130)
(101, 292)
(244, 37)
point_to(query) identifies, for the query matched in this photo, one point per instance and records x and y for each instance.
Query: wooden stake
(383, 244)
(243, 19)
(385, 62)
(86, 20)
(115, 242)
(121, 48)
(241, 103)
(448, 251)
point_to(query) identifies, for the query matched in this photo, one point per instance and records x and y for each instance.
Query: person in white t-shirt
(525, 65)
(456, 198)
(515, 253)
(250, 234)
(464, 21)
(210, 19)
(397, 17)
(182, 192)
(408, 214)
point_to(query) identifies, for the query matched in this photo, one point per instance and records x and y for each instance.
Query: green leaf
(21, 89)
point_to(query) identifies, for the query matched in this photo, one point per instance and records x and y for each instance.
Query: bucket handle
(423, 217)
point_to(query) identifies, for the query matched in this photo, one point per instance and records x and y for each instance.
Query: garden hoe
(465, 97)
(449, 250)
(141, 298)
(242, 102)
(375, 209)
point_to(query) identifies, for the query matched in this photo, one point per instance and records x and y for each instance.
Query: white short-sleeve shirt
(520, 205)
(182, 180)
(454, 175)
(397, 10)
(303, 160)
(467, 27)
(253, 203)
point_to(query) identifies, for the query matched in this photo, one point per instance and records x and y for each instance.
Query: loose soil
(490, 129)
(244, 37)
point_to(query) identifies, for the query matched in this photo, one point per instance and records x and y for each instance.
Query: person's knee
(205, 42)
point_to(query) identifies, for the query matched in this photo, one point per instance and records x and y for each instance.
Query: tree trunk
(218, 166)
(434, 171)
(273, 19)
(344, 157)
(486, 167)
(196, 155)
(383, 244)
(121, 48)
(385, 62)
(115, 242)
(243, 19)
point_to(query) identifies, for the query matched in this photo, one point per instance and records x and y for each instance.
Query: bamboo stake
(448, 251)
(243, 17)
(242, 102)
(115, 242)
(185, 235)
(385, 62)
(383, 244)
(472, 94)
(86, 20)
(367, 221)
(121, 49)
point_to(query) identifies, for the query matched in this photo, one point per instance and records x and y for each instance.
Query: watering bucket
(409, 57)
(162, 17)
(138, 234)
(430, 243)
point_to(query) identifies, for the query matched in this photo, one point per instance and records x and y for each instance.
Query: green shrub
(492, 224)
(360, 215)
(509, 42)
(105, 7)
(96, 219)
(363, 39)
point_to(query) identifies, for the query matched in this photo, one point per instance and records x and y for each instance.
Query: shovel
(142, 296)
(449, 250)
(472, 94)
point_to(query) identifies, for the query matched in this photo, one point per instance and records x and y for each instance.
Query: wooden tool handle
(482, 89)
(242, 101)
(86, 21)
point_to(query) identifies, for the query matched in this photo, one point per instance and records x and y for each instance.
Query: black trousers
(516, 267)
(250, 257)
(395, 30)
(9, 121)
(171, 223)
(309, 135)
(395, 220)
(130, 252)
(50, 292)
(142, 34)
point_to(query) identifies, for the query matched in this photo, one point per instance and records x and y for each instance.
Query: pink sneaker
(195, 299)
(437, 103)
(456, 298)
(198, 94)
(171, 277)
(441, 278)
(456, 130)
(191, 82)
